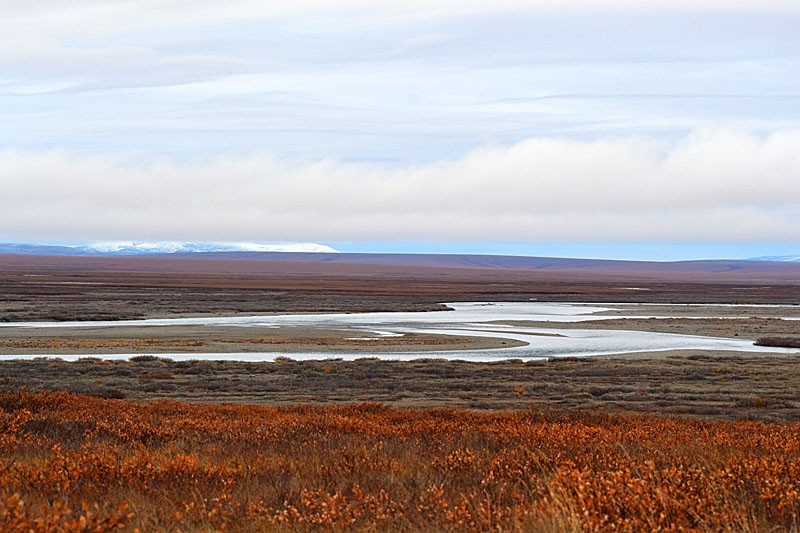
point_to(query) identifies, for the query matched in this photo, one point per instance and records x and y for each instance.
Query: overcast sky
(464, 125)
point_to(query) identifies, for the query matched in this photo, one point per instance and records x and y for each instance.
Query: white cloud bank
(715, 185)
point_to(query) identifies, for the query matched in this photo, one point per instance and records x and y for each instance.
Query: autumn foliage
(77, 463)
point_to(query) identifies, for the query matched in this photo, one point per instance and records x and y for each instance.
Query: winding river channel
(470, 319)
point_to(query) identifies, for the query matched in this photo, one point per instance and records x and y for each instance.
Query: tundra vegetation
(79, 463)
(779, 342)
(669, 442)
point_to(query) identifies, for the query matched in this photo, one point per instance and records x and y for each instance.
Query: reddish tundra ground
(78, 463)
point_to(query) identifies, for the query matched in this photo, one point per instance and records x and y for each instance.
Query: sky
(599, 128)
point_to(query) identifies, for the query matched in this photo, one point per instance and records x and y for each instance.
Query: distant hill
(505, 262)
(36, 249)
(780, 258)
(320, 258)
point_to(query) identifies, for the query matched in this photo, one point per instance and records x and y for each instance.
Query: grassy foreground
(79, 463)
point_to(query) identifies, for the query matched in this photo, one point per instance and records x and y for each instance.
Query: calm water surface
(476, 319)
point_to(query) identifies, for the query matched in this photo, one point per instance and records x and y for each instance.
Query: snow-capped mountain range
(162, 247)
(176, 247)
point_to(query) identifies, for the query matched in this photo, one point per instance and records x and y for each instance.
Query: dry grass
(707, 385)
(225, 339)
(58, 343)
(781, 342)
(88, 464)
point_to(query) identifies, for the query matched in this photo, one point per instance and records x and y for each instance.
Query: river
(472, 318)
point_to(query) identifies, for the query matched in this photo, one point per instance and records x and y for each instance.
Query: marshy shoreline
(708, 385)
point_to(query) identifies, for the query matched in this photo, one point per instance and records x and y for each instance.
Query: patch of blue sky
(631, 251)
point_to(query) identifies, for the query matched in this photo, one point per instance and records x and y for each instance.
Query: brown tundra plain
(678, 442)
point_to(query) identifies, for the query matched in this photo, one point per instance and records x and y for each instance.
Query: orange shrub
(76, 463)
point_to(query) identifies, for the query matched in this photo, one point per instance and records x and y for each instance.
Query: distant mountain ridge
(311, 253)
(780, 258)
(510, 262)
(630, 275)
(161, 247)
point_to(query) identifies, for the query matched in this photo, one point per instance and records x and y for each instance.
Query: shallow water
(467, 319)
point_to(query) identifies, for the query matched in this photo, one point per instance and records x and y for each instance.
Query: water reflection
(472, 319)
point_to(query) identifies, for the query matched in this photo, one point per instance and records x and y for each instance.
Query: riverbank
(710, 385)
(746, 328)
(219, 339)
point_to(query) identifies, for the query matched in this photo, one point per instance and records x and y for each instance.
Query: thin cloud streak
(395, 81)
(714, 185)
